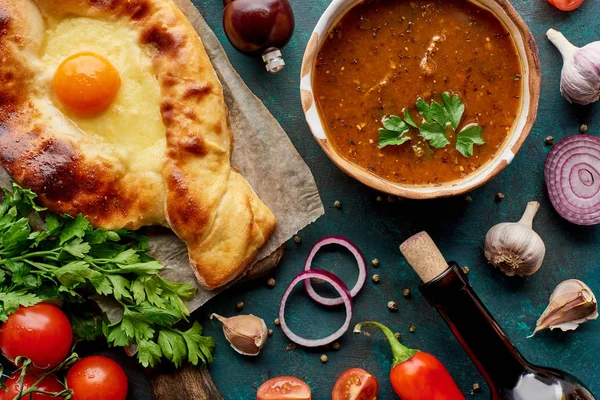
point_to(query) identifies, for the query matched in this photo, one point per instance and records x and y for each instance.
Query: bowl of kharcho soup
(421, 98)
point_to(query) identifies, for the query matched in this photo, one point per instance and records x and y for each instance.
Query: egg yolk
(86, 83)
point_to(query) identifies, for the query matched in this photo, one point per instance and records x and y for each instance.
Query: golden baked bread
(157, 153)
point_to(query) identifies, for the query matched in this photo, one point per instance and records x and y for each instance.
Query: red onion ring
(360, 261)
(339, 286)
(572, 174)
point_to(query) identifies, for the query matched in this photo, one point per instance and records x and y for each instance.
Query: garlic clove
(580, 76)
(572, 303)
(247, 334)
(514, 247)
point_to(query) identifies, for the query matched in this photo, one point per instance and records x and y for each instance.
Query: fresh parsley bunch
(73, 263)
(437, 118)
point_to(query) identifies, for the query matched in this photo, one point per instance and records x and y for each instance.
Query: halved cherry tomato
(97, 378)
(355, 384)
(284, 388)
(41, 332)
(49, 384)
(566, 5)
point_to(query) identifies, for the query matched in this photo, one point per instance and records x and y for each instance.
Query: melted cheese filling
(131, 129)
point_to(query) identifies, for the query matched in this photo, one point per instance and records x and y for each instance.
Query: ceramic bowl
(530, 65)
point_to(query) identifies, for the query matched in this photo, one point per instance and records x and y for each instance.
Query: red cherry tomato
(41, 332)
(284, 387)
(97, 378)
(566, 5)
(355, 384)
(49, 384)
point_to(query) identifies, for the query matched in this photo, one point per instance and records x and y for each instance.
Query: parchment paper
(262, 153)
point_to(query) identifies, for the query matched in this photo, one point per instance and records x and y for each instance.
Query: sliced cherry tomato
(49, 384)
(355, 384)
(566, 5)
(97, 378)
(41, 332)
(284, 388)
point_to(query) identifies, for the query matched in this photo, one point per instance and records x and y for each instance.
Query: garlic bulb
(571, 303)
(514, 247)
(247, 334)
(580, 77)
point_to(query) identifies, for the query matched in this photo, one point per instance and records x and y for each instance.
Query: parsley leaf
(438, 114)
(21, 198)
(454, 109)
(74, 228)
(161, 316)
(200, 347)
(76, 247)
(387, 138)
(11, 301)
(392, 132)
(173, 346)
(149, 353)
(423, 108)
(128, 256)
(117, 336)
(395, 123)
(435, 133)
(408, 119)
(15, 239)
(120, 287)
(73, 273)
(437, 119)
(77, 265)
(146, 268)
(145, 288)
(136, 325)
(467, 138)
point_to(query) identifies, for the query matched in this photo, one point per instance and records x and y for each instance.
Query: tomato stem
(400, 352)
(66, 394)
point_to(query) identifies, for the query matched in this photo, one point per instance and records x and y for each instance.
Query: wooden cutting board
(186, 383)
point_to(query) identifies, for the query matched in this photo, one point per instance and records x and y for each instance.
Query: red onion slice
(360, 261)
(572, 173)
(339, 286)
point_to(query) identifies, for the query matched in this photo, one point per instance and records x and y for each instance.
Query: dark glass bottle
(508, 374)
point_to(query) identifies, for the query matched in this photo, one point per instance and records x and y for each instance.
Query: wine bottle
(509, 375)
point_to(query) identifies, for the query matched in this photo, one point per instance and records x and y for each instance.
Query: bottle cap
(423, 255)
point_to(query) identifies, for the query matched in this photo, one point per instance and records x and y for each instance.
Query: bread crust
(208, 204)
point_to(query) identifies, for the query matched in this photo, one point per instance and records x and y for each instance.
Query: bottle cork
(423, 255)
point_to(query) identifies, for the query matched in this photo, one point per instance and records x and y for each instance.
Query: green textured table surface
(379, 227)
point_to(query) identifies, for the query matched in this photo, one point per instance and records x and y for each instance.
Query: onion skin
(572, 174)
